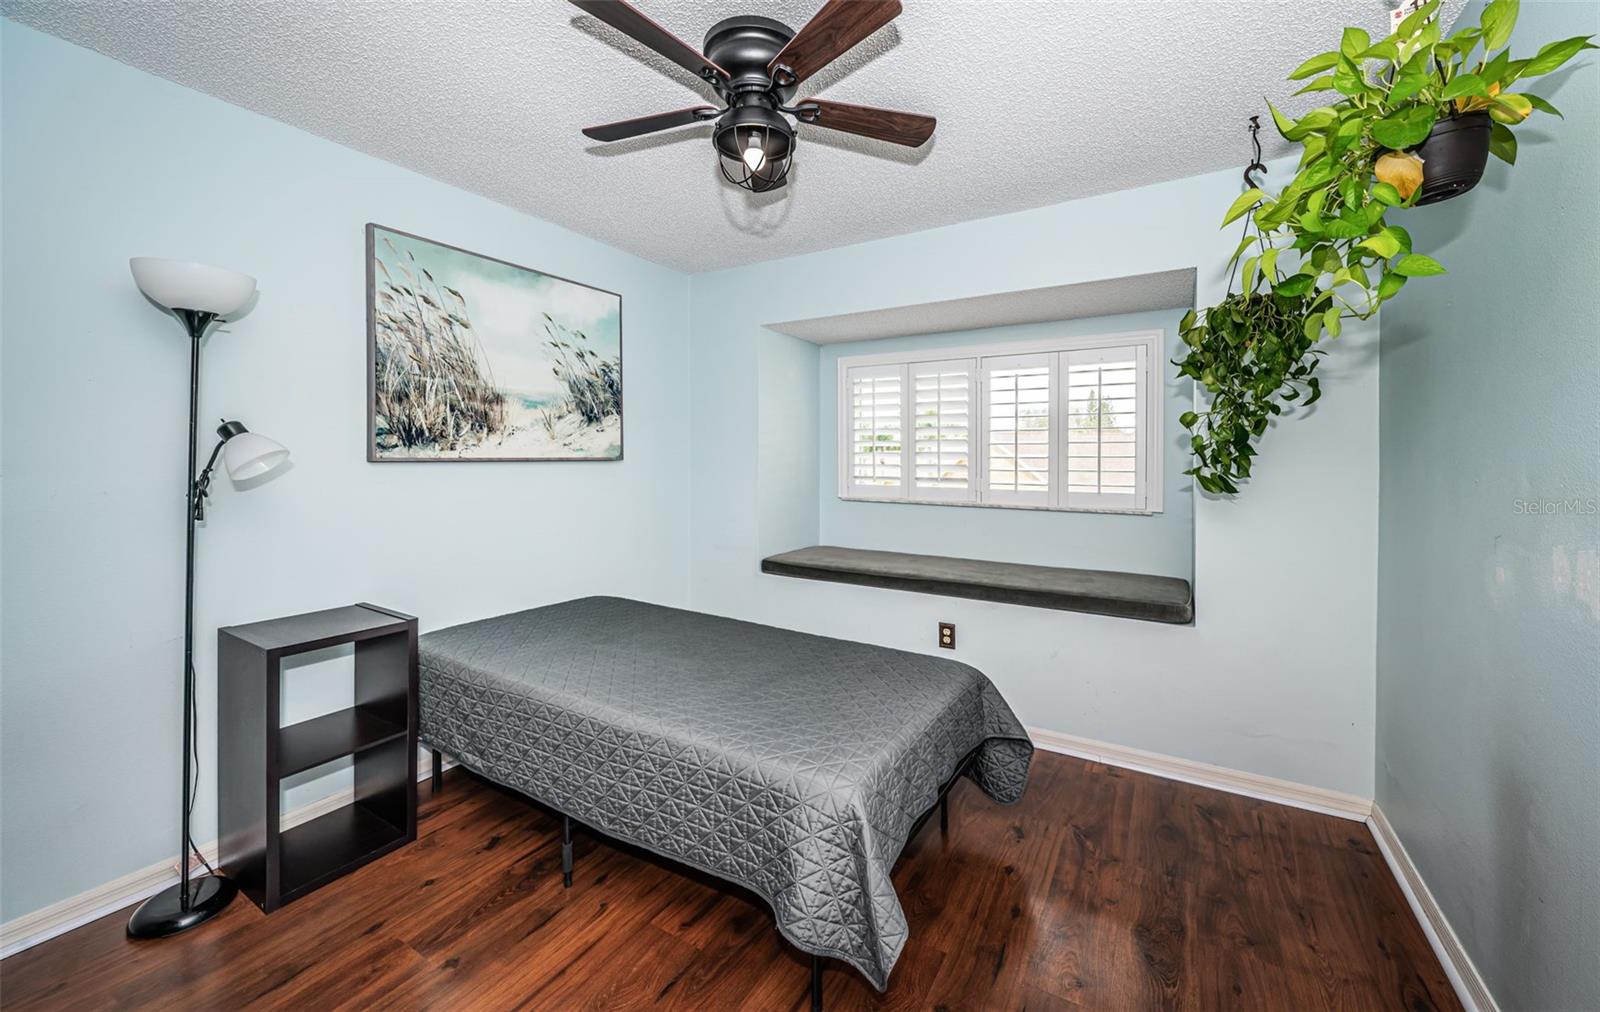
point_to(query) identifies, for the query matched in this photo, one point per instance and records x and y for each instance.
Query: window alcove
(835, 511)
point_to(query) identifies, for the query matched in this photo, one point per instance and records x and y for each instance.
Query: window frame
(849, 489)
(1107, 501)
(944, 364)
(986, 495)
(1151, 443)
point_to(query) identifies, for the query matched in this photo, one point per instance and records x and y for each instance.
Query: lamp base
(163, 914)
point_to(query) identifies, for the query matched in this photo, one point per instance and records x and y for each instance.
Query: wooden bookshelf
(255, 751)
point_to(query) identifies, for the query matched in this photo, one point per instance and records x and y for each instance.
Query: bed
(794, 765)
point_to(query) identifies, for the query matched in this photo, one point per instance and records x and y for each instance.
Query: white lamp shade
(180, 285)
(250, 455)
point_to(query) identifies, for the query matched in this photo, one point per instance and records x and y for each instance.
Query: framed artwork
(472, 358)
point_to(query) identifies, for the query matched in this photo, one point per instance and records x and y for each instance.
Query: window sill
(1096, 592)
(1000, 505)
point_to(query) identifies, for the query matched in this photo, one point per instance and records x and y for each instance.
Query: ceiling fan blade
(623, 129)
(635, 24)
(833, 30)
(906, 128)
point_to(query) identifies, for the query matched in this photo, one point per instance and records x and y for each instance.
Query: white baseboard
(1464, 976)
(58, 918)
(1251, 785)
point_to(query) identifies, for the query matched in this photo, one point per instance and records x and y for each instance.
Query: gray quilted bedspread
(791, 764)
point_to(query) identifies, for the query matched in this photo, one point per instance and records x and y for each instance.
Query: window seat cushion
(1097, 592)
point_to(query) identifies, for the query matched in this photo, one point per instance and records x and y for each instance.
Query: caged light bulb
(754, 157)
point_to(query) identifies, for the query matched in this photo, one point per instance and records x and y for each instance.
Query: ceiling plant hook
(1256, 164)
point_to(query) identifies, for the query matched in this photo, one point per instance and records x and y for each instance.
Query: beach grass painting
(474, 358)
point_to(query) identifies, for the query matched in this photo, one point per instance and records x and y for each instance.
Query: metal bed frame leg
(566, 852)
(816, 983)
(438, 771)
(944, 814)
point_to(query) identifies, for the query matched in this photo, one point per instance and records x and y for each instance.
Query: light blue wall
(1488, 744)
(788, 450)
(102, 162)
(1276, 674)
(1161, 544)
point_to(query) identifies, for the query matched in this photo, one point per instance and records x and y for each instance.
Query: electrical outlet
(947, 635)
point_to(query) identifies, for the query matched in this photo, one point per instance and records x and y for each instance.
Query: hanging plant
(1416, 118)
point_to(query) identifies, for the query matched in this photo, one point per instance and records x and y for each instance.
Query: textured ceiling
(1109, 297)
(1038, 102)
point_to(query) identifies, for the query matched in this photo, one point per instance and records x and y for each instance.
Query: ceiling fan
(754, 64)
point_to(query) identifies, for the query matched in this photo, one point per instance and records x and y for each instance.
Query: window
(1103, 430)
(941, 429)
(877, 427)
(1017, 394)
(1071, 424)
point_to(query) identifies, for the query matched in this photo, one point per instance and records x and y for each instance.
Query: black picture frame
(373, 456)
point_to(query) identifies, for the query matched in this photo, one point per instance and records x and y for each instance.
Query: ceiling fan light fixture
(755, 146)
(754, 64)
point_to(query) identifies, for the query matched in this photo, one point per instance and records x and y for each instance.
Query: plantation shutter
(877, 450)
(1106, 391)
(942, 413)
(1017, 441)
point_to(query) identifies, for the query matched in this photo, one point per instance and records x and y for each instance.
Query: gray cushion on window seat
(1096, 591)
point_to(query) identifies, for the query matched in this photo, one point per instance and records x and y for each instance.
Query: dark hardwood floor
(1102, 889)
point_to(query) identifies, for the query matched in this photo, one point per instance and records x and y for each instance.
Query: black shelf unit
(273, 865)
(332, 736)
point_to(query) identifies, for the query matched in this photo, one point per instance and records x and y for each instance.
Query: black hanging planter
(1453, 156)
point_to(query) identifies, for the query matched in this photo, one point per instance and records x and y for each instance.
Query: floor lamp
(198, 295)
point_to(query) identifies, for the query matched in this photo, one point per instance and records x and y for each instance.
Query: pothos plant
(1321, 252)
